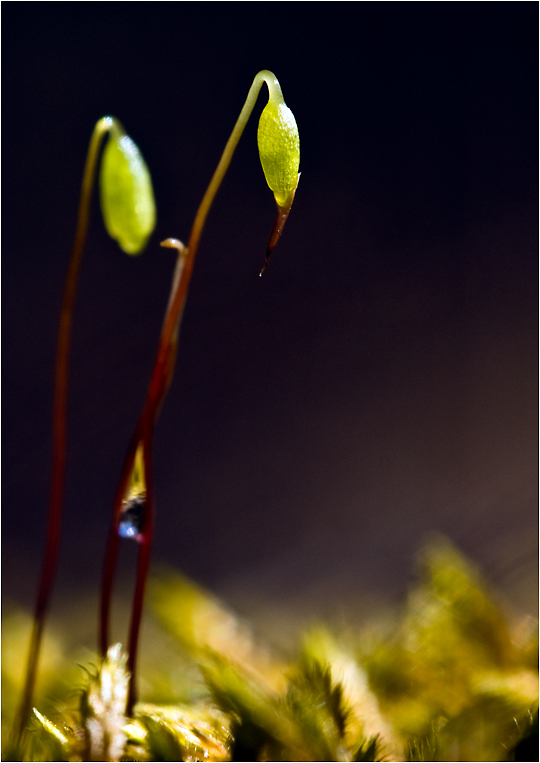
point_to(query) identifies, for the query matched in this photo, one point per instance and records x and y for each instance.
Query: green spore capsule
(279, 150)
(127, 197)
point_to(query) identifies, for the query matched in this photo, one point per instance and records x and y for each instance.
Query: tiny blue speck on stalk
(132, 518)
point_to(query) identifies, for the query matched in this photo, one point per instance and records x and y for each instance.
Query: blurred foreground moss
(451, 679)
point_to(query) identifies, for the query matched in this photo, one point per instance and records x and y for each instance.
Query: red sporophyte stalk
(129, 214)
(52, 547)
(166, 355)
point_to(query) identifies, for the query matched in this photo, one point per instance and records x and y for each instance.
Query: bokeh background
(378, 384)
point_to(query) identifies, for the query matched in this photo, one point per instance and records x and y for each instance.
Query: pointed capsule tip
(267, 260)
(279, 224)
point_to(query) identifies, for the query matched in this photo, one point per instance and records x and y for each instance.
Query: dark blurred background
(378, 384)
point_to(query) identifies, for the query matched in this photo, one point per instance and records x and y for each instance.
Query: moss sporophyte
(129, 213)
(451, 680)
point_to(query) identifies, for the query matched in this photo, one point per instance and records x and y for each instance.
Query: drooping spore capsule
(127, 197)
(279, 150)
